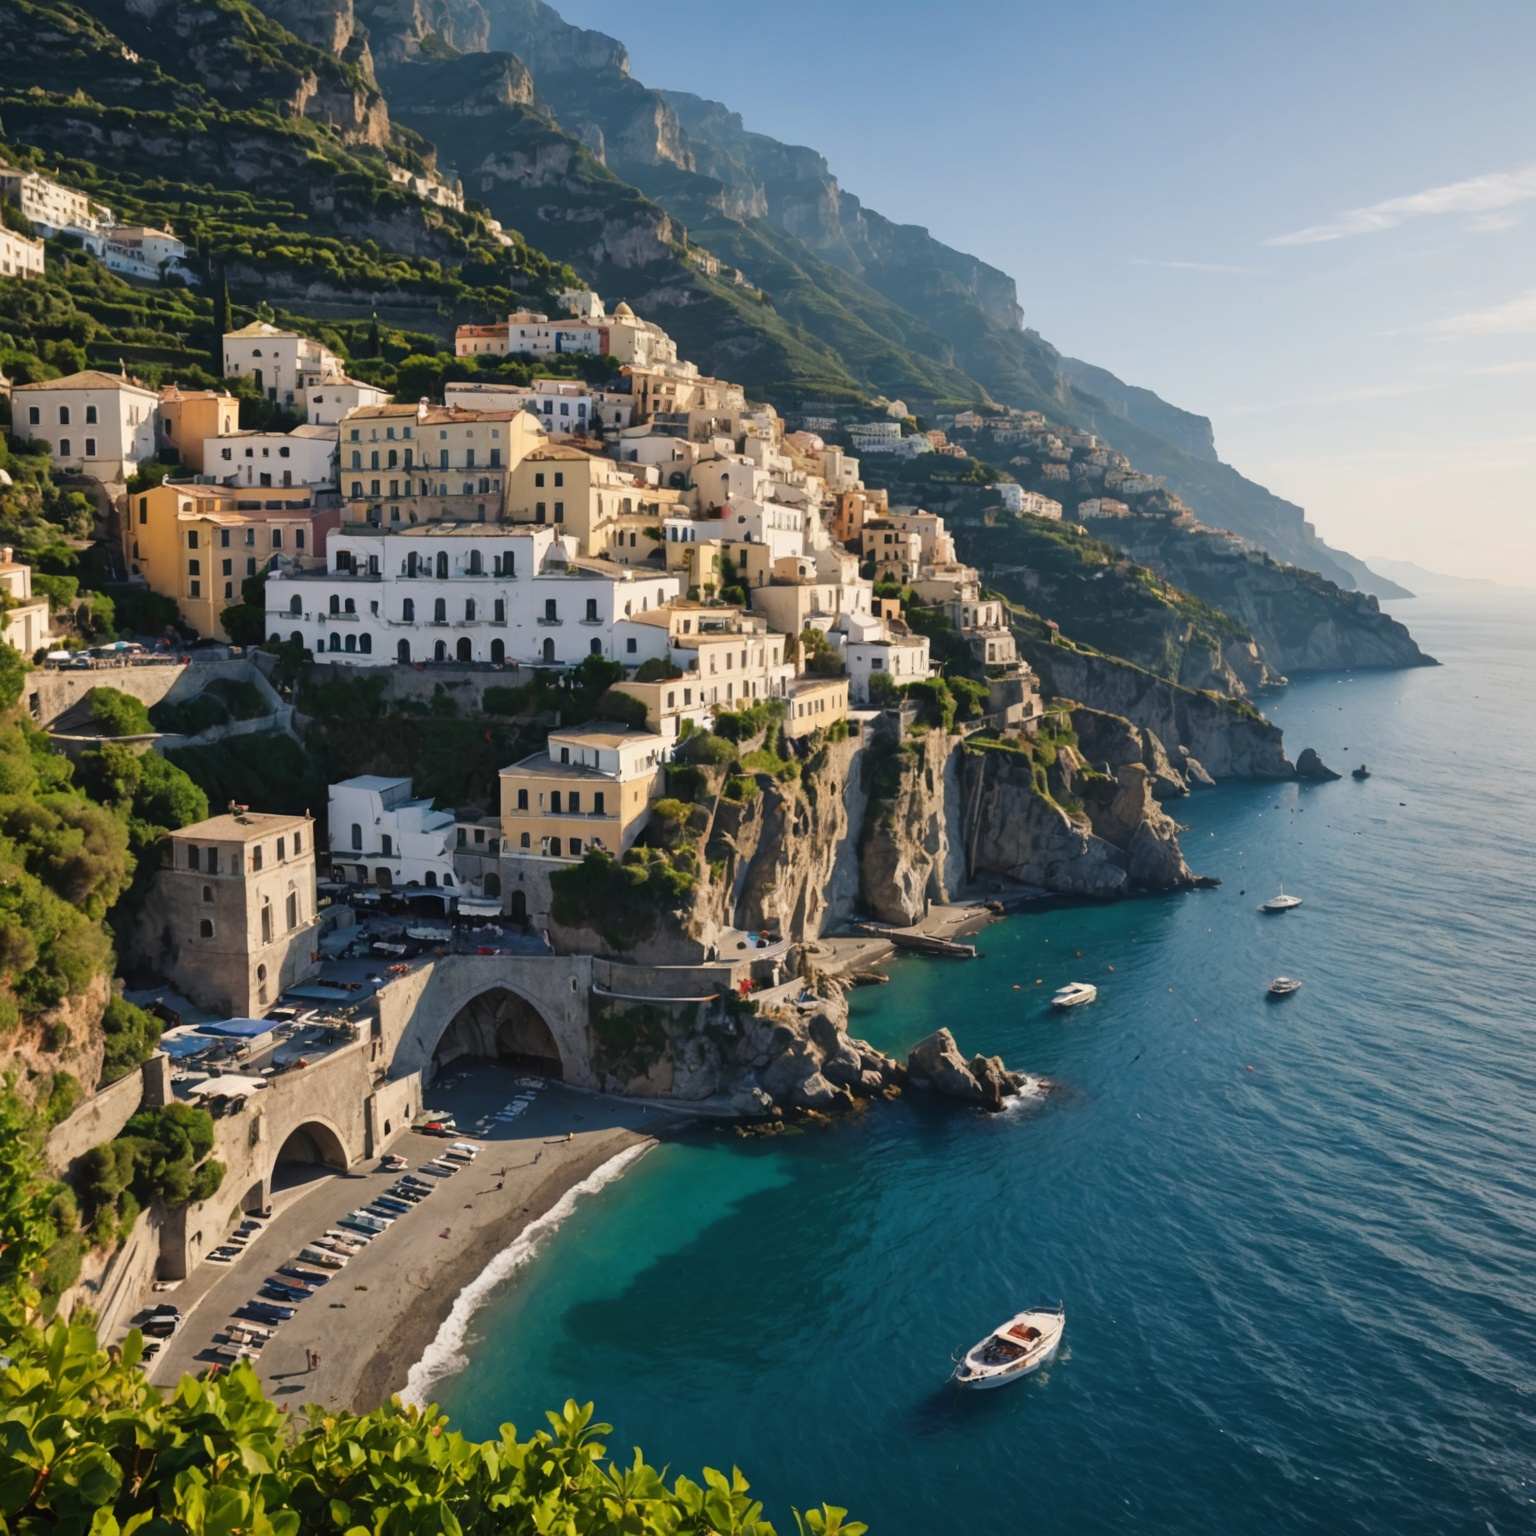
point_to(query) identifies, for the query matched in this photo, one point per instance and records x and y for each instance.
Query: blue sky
(1314, 223)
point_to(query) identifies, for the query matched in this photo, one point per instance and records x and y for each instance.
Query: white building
(780, 528)
(1027, 503)
(25, 624)
(305, 456)
(327, 401)
(19, 256)
(94, 423)
(871, 646)
(284, 364)
(140, 250)
(538, 336)
(875, 436)
(460, 592)
(54, 209)
(382, 835)
(566, 407)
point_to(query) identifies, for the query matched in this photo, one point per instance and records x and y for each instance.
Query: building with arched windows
(231, 921)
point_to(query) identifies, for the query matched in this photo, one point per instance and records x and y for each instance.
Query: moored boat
(1281, 903)
(1074, 994)
(1283, 986)
(1362, 772)
(1013, 1349)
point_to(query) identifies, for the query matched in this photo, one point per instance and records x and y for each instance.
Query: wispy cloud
(1493, 223)
(1514, 317)
(1188, 266)
(1476, 195)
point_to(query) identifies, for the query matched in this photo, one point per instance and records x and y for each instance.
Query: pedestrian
(309, 1359)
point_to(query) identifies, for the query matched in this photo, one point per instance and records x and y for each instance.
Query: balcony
(551, 622)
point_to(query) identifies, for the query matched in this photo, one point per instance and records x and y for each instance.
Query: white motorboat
(1283, 986)
(1074, 994)
(1281, 903)
(1013, 1349)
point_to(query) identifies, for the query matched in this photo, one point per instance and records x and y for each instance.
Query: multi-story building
(984, 627)
(577, 493)
(196, 543)
(566, 407)
(54, 209)
(94, 423)
(872, 646)
(936, 546)
(815, 703)
(591, 788)
(189, 417)
(305, 456)
(329, 401)
(1101, 506)
(895, 553)
(381, 834)
(725, 659)
(25, 624)
(284, 364)
(19, 256)
(141, 250)
(460, 592)
(403, 464)
(535, 335)
(234, 903)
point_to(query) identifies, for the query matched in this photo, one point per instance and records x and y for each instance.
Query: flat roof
(240, 827)
(605, 733)
(373, 781)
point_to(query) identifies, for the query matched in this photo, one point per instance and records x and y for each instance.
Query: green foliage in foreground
(621, 901)
(92, 1447)
(115, 713)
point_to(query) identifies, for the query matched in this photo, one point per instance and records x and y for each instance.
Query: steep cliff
(1302, 621)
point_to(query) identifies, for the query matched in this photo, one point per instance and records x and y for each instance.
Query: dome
(622, 311)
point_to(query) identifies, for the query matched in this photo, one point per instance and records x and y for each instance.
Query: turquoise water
(1297, 1241)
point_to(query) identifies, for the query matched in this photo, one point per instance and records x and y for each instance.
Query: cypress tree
(220, 323)
(375, 344)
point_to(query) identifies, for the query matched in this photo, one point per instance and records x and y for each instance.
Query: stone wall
(102, 1116)
(51, 694)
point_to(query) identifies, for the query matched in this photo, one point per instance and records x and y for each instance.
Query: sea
(1296, 1241)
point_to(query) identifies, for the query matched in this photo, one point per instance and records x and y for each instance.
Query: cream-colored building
(232, 919)
(189, 417)
(94, 423)
(728, 659)
(424, 463)
(53, 208)
(283, 363)
(197, 543)
(19, 256)
(814, 703)
(590, 789)
(26, 624)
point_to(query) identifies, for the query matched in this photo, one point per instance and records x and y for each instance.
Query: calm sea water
(1296, 1241)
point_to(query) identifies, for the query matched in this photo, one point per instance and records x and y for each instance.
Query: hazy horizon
(1269, 219)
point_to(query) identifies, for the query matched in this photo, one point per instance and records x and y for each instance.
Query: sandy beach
(377, 1317)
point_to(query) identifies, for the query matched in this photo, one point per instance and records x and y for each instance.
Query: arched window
(349, 606)
(549, 650)
(296, 638)
(440, 651)
(403, 651)
(408, 612)
(498, 651)
(440, 610)
(357, 834)
(295, 604)
(205, 928)
(351, 642)
(335, 642)
(492, 885)
(365, 643)
(335, 603)
(524, 841)
(442, 566)
(465, 650)
(476, 567)
(522, 799)
(596, 647)
(432, 879)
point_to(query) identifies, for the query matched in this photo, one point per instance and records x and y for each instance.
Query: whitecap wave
(446, 1355)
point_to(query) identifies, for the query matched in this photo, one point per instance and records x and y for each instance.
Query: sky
(1314, 223)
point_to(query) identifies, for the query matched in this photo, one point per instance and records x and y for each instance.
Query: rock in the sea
(936, 1063)
(1310, 766)
(815, 1092)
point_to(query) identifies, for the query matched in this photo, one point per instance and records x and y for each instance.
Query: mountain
(901, 302)
(1427, 583)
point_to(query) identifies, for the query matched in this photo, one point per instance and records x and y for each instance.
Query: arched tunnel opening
(502, 1027)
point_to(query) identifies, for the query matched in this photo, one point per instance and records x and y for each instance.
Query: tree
(115, 713)
(13, 674)
(883, 691)
(375, 342)
(220, 323)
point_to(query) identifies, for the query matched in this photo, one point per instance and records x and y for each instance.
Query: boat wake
(445, 1355)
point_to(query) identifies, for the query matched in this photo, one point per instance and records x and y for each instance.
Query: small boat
(1013, 1349)
(1283, 986)
(1074, 995)
(1362, 772)
(1281, 903)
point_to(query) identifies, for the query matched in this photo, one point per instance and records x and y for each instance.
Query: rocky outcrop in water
(1310, 766)
(936, 1063)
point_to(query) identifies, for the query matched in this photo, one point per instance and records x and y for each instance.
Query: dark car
(160, 1327)
(276, 1290)
(303, 1276)
(166, 1309)
(264, 1312)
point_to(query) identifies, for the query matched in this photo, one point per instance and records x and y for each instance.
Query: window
(522, 800)
(524, 841)
(559, 478)
(204, 928)
(357, 834)
(194, 589)
(293, 910)
(559, 511)
(469, 610)
(591, 610)
(256, 857)
(282, 849)
(34, 415)
(408, 611)
(440, 611)
(551, 611)
(538, 479)
(195, 858)
(90, 447)
(63, 415)
(597, 803)
(631, 646)
(298, 844)
(266, 922)
(64, 449)
(575, 800)
(499, 610)
(277, 538)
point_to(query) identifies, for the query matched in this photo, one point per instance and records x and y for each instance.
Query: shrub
(115, 713)
(622, 707)
(883, 691)
(656, 670)
(705, 747)
(131, 1037)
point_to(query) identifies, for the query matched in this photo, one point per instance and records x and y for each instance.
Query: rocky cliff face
(1221, 739)
(403, 29)
(1302, 621)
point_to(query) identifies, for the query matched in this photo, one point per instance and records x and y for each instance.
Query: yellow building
(591, 788)
(197, 543)
(189, 417)
(814, 704)
(574, 491)
(422, 464)
(24, 623)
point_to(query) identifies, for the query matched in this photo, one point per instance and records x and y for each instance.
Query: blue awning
(239, 1029)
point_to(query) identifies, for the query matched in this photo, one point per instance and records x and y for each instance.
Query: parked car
(304, 1276)
(275, 1290)
(266, 1312)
